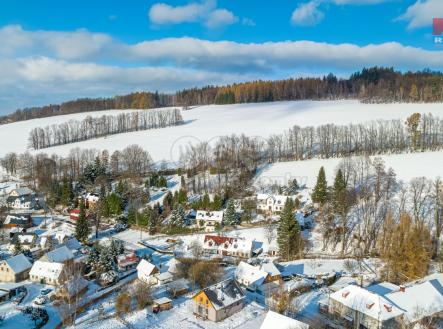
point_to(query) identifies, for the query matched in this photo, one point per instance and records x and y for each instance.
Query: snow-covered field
(206, 123)
(406, 167)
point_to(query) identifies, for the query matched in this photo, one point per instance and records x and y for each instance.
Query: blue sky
(57, 50)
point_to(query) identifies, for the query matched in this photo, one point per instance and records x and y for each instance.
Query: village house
(27, 241)
(21, 198)
(274, 273)
(51, 267)
(15, 269)
(359, 308)
(228, 246)
(209, 219)
(250, 276)
(48, 273)
(272, 251)
(254, 277)
(60, 255)
(274, 319)
(219, 301)
(10, 289)
(7, 187)
(127, 261)
(163, 278)
(178, 287)
(75, 213)
(146, 272)
(386, 305)
(90, 200)
(270, 204)
(18, 220)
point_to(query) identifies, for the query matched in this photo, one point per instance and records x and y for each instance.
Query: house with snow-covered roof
(273, 319)
(209, 219)
(270, 204)
(228, 246)
(48, 273)
(146, 272)
(22, 198)
(386, 305)
(21, 191)
(15, 269)
(127, 261)
(274, 273)
(250, 276)
(219, 301)
(18, 220)
(60, 255)
(357, 307)
(27, 241)
(418, 301)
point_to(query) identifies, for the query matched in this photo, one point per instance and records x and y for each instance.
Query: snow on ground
(209, 122)
(180, 317)
(406, 167)
(14, 317)
(307, 305)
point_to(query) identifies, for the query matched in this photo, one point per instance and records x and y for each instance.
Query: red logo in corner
(438, 26)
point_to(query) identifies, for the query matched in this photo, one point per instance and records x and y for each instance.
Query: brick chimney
(402, 288)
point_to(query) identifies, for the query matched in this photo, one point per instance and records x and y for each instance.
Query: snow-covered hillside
(406, 167)
(206, 123)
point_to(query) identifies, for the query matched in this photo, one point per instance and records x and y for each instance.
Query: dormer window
(388, 307)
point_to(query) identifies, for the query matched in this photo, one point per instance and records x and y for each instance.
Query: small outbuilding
(161, 304)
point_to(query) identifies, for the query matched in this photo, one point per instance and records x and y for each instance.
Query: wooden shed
(161, 304)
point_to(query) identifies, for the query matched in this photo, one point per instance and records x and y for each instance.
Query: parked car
(17, 299)
(41, 300)
(45, 291)
(120, 227)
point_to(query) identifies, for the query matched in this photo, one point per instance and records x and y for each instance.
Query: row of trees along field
(377, 84)
(90, 128)
(417, 133)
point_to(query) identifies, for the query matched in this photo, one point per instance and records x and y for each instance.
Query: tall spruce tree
(17, 247)
(177, 218)
(230, 217)
(339, 192)
(320, 193)
(288, 233)
(82, 229)
(66, 193)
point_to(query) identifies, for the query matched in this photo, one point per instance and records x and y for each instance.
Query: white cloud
(34, 81)
(69, 45)
(220, 17)
(307, 14)
(35, 66)
(205, 12)
(247, 22)
(422, 12)
(359, 2)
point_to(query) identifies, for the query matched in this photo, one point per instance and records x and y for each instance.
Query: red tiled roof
(218, 240)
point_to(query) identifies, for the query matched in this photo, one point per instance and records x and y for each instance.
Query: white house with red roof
(228, 246)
